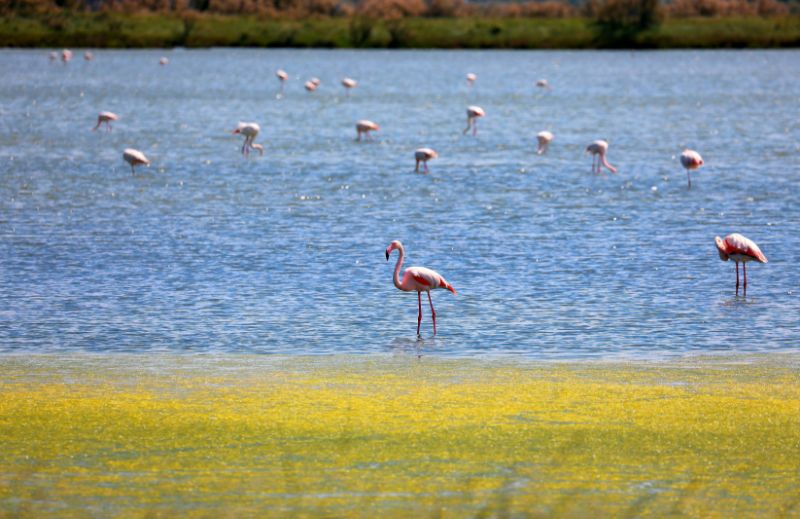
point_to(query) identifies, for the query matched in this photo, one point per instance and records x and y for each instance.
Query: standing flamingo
(250, 131)
(542, 83)
(312, 84)
(544, 139)
(282, 77)
(690, 160)
(134, 158)
(66, 55)
(420, 279)
(163, 60)
(471, 79)
(105, 117)
(348, 84)
(88, 56)
(739, 249)
(424, 155)
(598, 150)
(364, 126)
(473, 112)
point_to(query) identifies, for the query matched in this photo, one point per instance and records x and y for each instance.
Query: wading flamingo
(349, 84)
(282, 77)
(471, 78)
(53, 56)
(542, 83)
(250, 131)
(739, 249)
(424, 155)
(544, 139)
(88, 56)
(134, 158)
(312, 84)
(473, 112)
(690, 160)
(419, 279)
(163, 61)
(105, 117)
(598, 150)
(66, 55)
(364, 126)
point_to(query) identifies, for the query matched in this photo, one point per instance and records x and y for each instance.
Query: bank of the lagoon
(385, 435)
(111, 30)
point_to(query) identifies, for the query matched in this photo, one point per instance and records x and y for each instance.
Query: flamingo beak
(387, 255)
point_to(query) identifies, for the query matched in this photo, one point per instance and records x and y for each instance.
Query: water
(206, 251)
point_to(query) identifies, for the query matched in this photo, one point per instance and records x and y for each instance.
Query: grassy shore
(153, 30)
(397, 436)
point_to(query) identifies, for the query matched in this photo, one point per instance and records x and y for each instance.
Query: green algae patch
(397, 436)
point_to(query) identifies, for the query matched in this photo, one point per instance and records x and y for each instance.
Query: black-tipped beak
(387, 255)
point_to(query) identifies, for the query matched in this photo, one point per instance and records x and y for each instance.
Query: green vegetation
(388, 436)
(116, 30)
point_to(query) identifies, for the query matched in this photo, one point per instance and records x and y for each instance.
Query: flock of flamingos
(420, 279)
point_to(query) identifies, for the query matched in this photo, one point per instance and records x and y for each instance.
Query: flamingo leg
(689, 177)
(416, 169)
(433, 312)
(469, 123)
(133, 171)
(737, 277)
(426, 167)
(744, 268)
(419, 315)
(474, 127)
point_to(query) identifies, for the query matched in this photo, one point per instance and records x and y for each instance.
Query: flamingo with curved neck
(419, 279)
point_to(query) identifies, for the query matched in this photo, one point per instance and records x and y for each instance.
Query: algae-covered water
(388, 436)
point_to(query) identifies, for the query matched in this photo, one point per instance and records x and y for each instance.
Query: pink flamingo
(364, 126)
(66, 55)
(349, 84)
(739, 249)
(88, 56)
(163, 61)
(544, 139)
(542, 83)
(312, 84)
(250, 131)
(471, 79)
(105, 117)
(690, 160)
(419, 279)
(599, 149)
(473, 112)
(282, 77)
(134, 158)
(424, 155)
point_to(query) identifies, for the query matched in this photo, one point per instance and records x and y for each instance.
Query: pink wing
(428, 279)
(738, 244)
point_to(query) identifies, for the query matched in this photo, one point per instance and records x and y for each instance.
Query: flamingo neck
(606, 164)
(400, 258)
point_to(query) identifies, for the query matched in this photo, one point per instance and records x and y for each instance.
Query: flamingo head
(392, 246)
(721, 249)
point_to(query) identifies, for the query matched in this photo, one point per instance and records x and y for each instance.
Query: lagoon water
(206, 251)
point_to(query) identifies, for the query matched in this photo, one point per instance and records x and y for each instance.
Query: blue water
(205, 251)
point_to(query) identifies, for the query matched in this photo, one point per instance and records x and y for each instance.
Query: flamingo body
(690, 160)
(424, 155)
(598, 150)
(364, 127)
(134, 158)
(471, 78)
(417, 279)
(105, 118)
(66, 55)
(250, 131)
(473, 113)
(310, 86)
(88, 56)
(542, 83)
(163, 61)
(282, 77)
(544, 138)
(741, 250)
(349, 84)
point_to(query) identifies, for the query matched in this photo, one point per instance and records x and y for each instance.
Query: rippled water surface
(208, 251)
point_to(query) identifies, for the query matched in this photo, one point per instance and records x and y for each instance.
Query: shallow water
(206, 251)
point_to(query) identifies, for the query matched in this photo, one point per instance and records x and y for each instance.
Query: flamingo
(105, 117)
(544, 139)
(163, 61)
(739, 249)
(66, 55)
(424, 155)
(598, 149)
(349, 83)
(473, 112)
(282, 77)
(364, 126)
(690, 160)
(542, 83)
(250, 131)
(53, 56)
(88, 56)
(315, 80)
(311, 84)
(134, 158)
(471, 78)
(419, 279)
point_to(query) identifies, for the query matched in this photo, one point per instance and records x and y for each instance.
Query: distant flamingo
(473, 112)
(690, 160)
(66, 55)
(424, 155)
(134, 158)
(471, 78)
(282, 77)
(53, 56)
(419, 279)
(315, 80)
(544, 139)
(364, 126)
(598, 150)
(163, 61)
(348, 84)
(88, 56)
(312, 84)
(739, 249)
(542, 83)
(250, 131)
(105, 117)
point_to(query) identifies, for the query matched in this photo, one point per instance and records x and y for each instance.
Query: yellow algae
(397, 436)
